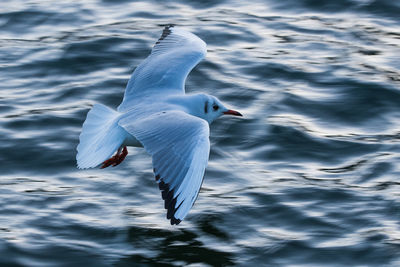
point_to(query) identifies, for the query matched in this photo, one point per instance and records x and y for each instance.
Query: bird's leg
(116, 159)
(111, 160)
(121, 156)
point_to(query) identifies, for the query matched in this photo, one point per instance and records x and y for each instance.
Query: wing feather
(165, 70)
(179, 145)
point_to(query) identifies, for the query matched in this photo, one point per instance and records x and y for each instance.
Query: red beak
(232, 112)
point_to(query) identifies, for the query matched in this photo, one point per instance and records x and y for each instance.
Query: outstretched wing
(179, 145)
(165, 70)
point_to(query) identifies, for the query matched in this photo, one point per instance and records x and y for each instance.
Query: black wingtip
(166, 32)
(163, 186)
(169, 200)
(175, 221)
(167, 195)
(170, 207)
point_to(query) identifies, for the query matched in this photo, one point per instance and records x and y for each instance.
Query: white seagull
(157, 114)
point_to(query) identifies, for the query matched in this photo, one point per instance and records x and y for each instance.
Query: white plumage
(157, 114)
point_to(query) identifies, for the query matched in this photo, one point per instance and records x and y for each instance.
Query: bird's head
(210, 108)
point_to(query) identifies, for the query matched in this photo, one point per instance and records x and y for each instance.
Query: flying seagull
(157, 114)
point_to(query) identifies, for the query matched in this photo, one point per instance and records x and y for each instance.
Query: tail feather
(101, 136)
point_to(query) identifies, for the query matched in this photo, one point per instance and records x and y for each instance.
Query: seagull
(156, 114)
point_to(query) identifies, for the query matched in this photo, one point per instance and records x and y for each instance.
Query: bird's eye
(215, 107)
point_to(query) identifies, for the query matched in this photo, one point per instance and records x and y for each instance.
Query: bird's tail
(101, 136)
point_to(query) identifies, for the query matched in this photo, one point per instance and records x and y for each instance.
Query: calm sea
(309, 177)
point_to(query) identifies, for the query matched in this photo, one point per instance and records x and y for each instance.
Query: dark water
(309, 177)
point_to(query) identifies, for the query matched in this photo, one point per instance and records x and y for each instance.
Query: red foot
(116, 159)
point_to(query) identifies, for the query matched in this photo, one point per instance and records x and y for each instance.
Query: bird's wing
(165, 70)
(179, 145)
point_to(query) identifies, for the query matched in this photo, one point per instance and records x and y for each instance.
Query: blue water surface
(309, 176)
